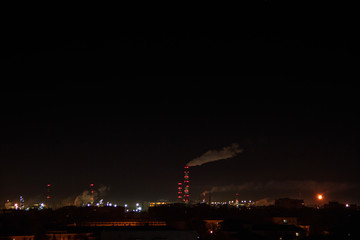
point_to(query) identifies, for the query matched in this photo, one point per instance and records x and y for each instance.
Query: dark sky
(93, 102)
(139, 149)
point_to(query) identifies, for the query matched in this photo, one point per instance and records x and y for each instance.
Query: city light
(320, 196)
(42, 206)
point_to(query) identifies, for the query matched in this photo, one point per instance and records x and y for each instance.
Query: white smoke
(85, 196)
(275, 189)
(329, 187)
(265, 202)
(214, 155)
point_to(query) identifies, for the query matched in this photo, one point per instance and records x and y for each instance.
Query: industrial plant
(90, 217)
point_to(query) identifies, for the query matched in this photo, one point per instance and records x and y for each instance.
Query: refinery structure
(93, 198)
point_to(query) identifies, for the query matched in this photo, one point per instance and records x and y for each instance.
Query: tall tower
(92, 194)
(22, 203)
(180, 192)
(48, 203)
(48, 192)
(186, 184)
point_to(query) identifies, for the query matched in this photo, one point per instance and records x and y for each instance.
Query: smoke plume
(265, 202)
(85, 196)
(214, 155)
(294, 189)
(313, 186)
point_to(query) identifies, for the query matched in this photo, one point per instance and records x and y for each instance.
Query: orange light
(320, 197)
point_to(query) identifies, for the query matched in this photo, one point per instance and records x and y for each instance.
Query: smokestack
(48, 191)
(48, 195)
(204, 199)
(92, 194)
(209, 198)
(180, 192)
(186, 184)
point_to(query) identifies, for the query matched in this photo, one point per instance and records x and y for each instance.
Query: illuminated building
(155, 204)
(22, 203)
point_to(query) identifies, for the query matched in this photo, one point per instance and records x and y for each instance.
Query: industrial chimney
(180, 192)
(92, 194)
(186, 184)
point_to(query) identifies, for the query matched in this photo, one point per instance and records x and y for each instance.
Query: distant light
(115, 205)
(320, 197)
(137, 204)
(211, 232)
(88, 204)
(125, 205)
(297, 234)
(127, 210)
(347, 205)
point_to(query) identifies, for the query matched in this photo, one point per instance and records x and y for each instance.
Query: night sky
(91, 102)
